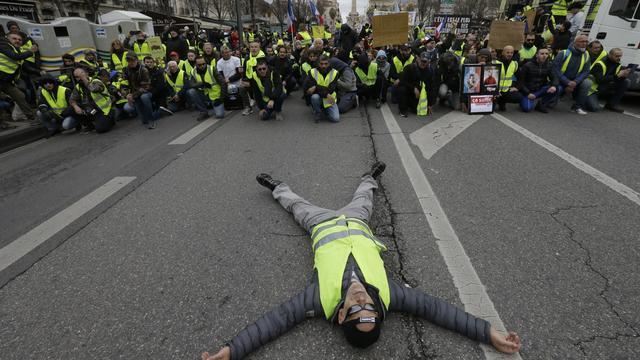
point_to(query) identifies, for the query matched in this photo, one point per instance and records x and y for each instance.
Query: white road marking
(632, 114)
(20, 247)
(607, 180)
(434, 136)
(193, 132)
(470, 289)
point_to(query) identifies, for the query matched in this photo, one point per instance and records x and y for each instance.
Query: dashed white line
(193, 132)
(607, 180)
(470, 289)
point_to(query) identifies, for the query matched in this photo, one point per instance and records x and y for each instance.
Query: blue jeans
(347, 101)
(201, 101)
(543, 96)
(144, 107)
(611, 93)
(52, 123)
(332, 112)
(580, 93)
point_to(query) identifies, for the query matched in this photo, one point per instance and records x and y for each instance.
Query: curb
(21, 137)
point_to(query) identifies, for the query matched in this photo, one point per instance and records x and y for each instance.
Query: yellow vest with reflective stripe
(325, 81)
(400, 66)
(142, 51)
(559, 8)
(261, 87)
(306, 38)
(102, 100)
(567, 56)
(526, 54)
(186, 66)
(423, 102)
(179, 84)
(333, 242)
(7, 64)
(215, 90)
(119, 63)
(306, 67)
(507, 75)
(59, 104)
(27, 47)
(252, 62)
(603, 53)
(369, 78)
(594, 84)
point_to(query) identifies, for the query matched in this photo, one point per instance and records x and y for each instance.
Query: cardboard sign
(317, 31)
(155, 44)
(453, 23)
(392, 29)
(480, 104)
(504, 32)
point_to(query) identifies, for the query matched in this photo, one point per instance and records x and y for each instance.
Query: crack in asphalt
(387, 228)
(588, 263)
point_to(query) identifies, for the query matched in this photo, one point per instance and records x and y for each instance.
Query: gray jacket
(307, 304)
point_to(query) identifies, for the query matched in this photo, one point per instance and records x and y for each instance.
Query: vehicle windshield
(625, 8)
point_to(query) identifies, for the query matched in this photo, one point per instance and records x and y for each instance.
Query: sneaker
(279, 116)
(376, 169)
(403, 114)
(267, 181)
(614, 109)
(579, 111)
(247, 111)
(152, 124)
(202, 116)
(252, 103)
(378, 104)
(165, 110)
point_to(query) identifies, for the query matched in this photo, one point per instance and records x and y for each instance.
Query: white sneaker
(579, 111)
(247, 111)
(166, 110)
(252, 102)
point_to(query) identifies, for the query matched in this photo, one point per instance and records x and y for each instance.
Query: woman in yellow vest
(53, 106)
(118, 56)
(350, 286)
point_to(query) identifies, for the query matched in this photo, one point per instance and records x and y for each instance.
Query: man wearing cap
(268, 91)
(89, 62)
(139, 97)
(53, 106)
(141, 46)
(609, 82)
(350, 286)
(418, 87)
(207, 90)
(401, 61)
(369, 79)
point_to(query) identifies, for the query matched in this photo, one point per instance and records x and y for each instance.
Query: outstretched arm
(273, 324)
(441, 313)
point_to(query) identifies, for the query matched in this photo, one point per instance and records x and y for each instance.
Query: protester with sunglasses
(350, 286)
(207, 90)
(268, 91)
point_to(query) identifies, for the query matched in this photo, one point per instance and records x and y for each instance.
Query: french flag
(290, 17)
(314, 9)
(441, 26)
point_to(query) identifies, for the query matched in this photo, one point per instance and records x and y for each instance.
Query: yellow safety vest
(191, 45)
(423, 102)
(186, 66)
(250, 36)
(118, 85)
(369, 78)
(141, 51)
(252, 62)
(327, 35)
(400, 66)
(306, 38)
(559, 8)
(325, 81)
(261, 87)
(603, 53)
(215, 90)
(567, 56)
(119, 63)
(594, 84)
(526, 54)
(27, 47)
(333, 242)
(306, 67)
(7, 64)
(507, 75)
(59, 103)
(102, 100)
(179, 84)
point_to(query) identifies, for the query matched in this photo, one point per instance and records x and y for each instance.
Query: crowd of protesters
(210, 73)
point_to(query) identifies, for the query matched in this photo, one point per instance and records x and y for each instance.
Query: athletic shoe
(267, 181)
(247, 111)
(152, 124)
(165, 110)
(579, 111)
(403, 114)
(252, 103)
(376, 169)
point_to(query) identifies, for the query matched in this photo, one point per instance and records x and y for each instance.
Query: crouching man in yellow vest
(321, 86)
(91, 103)
(350, 286)
(53, 106)
(206, 90)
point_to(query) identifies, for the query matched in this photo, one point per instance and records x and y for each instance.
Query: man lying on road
(350, 286)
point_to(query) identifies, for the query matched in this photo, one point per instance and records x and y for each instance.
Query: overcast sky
(345, 7)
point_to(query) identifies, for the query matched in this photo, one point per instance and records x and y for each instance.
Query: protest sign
(504, 32)
(317, 31)
(155, 44)
(480, 104)
(458, 22)
(391, 29)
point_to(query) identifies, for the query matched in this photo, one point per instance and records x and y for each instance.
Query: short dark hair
(148, 57)
(323, 57)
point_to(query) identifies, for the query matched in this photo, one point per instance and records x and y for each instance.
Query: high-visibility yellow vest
(215, 90)
(119, 63)
(325, 81)
(186, 66)
(507, 75)
(459, 53)
(59, 103)
(306, 38)
(141, 51)
(594, 84)
(400, 66)
(213, 63)
(526, 54)
(602, 55)
(261, 87)
(178, 85)
(423, 101)
(567, 56)
(102, 99)
(333, 242)
(118, 85)
(559, 8)
(27, 47)
(252, 62)
(327, 35)
(369, 78)
(306, 67)
(250, 36)
(7, 64)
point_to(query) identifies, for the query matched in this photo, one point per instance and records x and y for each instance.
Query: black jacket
(138, 80)
(7, 49)
(348, 38)
(272, 84)
(605, 78)
(532, 76)
(158, 84)
(307, 304)
(282, 66)
(449, 71)
(178, 45)
(412, 76)
(321, 90)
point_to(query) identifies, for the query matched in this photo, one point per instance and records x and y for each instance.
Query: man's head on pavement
(615, 55)
(580, 43)
(359, 316)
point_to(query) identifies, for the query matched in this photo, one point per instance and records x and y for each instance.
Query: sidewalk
(20, 133)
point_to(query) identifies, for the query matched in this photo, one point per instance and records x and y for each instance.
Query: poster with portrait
(472, 79)
(491, 79)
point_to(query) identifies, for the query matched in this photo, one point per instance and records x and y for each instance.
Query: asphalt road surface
(147, 244)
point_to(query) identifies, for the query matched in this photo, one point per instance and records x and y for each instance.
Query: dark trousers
(18, 97)
(406, 99)
(100, 122)
(277, 105)
(511, 97)
(372, 92)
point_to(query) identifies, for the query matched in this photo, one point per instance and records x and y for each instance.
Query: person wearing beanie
(384, 67)
(53, 106)
(350, 286)
(369, 79)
